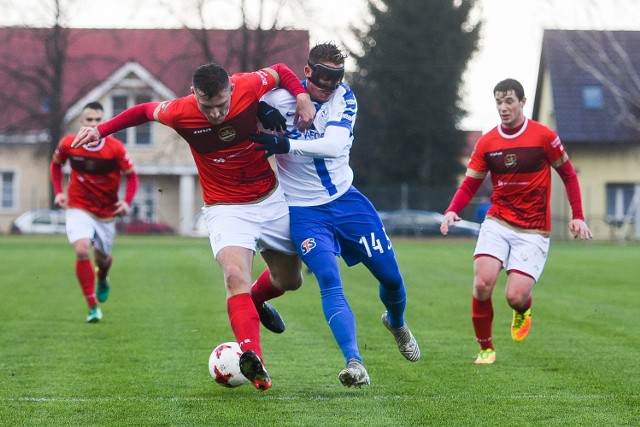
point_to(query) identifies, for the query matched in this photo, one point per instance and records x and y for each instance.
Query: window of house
(9, 192)
(134, 136)
(592, 97)
(619, 199)
(145, 204)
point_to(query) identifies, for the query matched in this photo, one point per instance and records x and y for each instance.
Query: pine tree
(407, 85)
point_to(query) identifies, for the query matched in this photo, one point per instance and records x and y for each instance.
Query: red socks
(262, 290)
(482, 318)
(245, 322)
(86, 278)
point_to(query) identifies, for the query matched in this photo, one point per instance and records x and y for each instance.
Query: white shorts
(263, 225)
(81, 225)
(524, 252)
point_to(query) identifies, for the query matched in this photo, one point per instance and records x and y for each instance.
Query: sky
(509, 45)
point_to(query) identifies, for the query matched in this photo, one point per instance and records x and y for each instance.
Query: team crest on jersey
(227, 133)
(510, 160)
(307, 245)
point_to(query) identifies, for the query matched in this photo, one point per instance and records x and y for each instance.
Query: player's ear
(231, 87)
(307, 71)
(193, 92)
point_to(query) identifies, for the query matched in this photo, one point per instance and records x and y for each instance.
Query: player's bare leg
(236, 264)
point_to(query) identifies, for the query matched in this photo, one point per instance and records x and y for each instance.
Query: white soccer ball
(224, 365)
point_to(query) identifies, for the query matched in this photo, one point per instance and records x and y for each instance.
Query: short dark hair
(510, 84)
(95, 105)
(326, 52)
(210, 79)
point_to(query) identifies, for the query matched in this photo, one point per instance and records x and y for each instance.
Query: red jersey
(231, 171)
(95, 174)
(520, 166)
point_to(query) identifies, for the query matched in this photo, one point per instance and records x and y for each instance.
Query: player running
(245, 209)
(92, 204)
(519, 154)
(329, 216)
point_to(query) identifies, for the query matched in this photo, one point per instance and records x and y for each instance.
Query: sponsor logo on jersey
(201, 131)
(227, 133)
(263, 77)
(510, 160)
(307, 245)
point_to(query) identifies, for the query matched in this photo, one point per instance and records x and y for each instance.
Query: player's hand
(86, 136)
(271, 144)
(271, 118)
(122, 208)
(580, 229)
(449, 218)
(305, 112)
(60, 200)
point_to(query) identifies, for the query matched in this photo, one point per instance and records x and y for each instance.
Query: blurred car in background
(199, 226)
(53, 221)
(143, 227)
(418, 223)
(40, 221)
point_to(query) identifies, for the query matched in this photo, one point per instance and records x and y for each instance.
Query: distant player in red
(92, 203)
(245, 209)
(519, 154)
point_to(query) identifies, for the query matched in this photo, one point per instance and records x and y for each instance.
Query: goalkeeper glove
(271, 118)
(271, 144)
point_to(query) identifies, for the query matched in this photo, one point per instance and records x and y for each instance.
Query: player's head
(91, 115)
(510, 100)
(324, 70)
(212, 90)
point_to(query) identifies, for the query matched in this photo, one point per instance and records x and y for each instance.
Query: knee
(517, 299)
(482, 288)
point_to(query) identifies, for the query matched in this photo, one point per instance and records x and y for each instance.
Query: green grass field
(145, 364)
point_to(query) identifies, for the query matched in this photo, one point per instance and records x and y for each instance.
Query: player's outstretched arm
(580, 229)
(449, 218)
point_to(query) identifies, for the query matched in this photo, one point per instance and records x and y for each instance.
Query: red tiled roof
(170, 55)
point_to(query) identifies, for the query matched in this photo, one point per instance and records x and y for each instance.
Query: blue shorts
(348, 226)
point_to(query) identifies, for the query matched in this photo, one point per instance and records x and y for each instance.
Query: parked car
(40, 221)
(199, 226)
(143, 227)
(418, 223)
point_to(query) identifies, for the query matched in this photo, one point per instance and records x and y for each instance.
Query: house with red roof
(119, 68)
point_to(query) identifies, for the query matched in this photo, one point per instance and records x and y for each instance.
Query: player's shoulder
(112, 140)
(278, 96)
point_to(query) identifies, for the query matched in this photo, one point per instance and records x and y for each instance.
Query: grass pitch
(146, 362)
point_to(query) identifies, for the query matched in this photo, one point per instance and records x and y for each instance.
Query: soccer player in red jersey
(92, 203)
(245, 209)
(518, 154)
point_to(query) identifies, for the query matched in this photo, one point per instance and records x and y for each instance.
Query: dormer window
(592, 97)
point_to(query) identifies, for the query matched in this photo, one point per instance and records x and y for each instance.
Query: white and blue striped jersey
(316, 170)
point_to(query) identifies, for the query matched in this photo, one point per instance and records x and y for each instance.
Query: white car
(40, 221)
(199, 226)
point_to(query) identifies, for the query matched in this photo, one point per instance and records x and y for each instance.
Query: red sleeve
(132, 187)
(465, 193)
(56, 176)
(288, 79)
(134, 116)
(568, 175)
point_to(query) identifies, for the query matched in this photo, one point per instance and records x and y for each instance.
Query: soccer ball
(224, 365)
